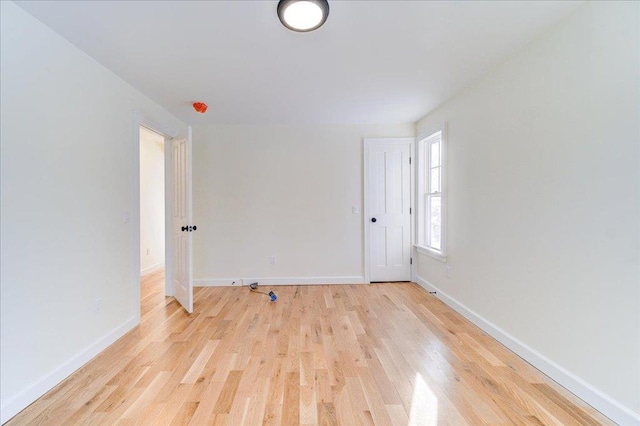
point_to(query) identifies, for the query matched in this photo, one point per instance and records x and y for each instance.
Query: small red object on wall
(201, 107)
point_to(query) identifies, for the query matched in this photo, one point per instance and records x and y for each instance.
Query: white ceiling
(372, 62)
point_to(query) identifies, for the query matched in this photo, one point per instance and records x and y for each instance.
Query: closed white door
(183, 227)
(388, 221)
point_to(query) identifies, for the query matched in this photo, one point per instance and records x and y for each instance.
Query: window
(431, 196)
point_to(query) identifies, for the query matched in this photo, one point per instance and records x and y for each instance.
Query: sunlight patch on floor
(424, 404)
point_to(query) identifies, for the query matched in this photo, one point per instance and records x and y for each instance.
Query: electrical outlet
(447, 271)
(148, 252)
(97, 305)
(355, 209)
(273, 259)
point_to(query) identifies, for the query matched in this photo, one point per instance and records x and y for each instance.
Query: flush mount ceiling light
(303, 15)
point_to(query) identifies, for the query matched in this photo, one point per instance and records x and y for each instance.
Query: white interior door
(182, 222)
(388, 218)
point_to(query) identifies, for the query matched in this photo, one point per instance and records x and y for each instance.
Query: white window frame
(424, 176)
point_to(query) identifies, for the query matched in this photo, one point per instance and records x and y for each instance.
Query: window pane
(424, 223)
(434, 181)
(435, 222)
(435, 154)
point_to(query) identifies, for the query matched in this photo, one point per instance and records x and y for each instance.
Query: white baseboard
(152, 268)
(588, 393)
(219, 282)
(12, 405)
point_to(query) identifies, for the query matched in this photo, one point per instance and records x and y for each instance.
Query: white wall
(67, 173)
(284, 191)
(544, 202)
(151, 201)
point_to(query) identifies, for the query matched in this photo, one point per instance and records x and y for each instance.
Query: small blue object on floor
(254, 287)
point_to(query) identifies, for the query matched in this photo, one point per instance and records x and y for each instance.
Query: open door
(182, 222)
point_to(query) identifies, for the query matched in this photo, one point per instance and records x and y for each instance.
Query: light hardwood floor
(363, 354)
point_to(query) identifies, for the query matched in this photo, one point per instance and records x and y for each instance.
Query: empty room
(312, 212)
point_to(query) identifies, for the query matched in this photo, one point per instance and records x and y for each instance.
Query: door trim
(367, 197)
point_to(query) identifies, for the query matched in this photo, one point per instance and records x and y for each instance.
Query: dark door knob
(185, 228)
(374, 220)
(195, 227)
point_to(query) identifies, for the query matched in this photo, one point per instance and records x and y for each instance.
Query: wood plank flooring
(382, 354)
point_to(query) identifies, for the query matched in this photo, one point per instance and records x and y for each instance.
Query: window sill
(431, 253)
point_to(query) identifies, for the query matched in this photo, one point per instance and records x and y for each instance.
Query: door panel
(379, 245)
(182, 219)
(389, 191)
(395, 246)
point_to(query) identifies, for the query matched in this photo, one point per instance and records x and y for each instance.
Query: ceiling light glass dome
(303, 15)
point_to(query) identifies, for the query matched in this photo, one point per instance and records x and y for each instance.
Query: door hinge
(409, 210)
(409, 160)
(411, 261)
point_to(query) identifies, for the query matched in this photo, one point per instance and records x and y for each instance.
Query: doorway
(152, 218)
(178, 216)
